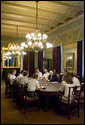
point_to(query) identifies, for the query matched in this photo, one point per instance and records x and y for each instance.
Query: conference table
(48, 91)
(49, 88)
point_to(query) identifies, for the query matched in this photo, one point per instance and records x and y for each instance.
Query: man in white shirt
(33, 85)
(46, 74)
(75, 81)
(24, 80)
(12, 77)
(38, 72)
(20, 76)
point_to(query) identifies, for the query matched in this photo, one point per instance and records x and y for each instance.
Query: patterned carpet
(10, 114)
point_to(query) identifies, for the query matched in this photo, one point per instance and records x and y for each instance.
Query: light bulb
(24, 53)
(10, 57)
(28, 35)
(32, 34)
(41, 47)
(44, 36)
(40, 44)
(26, 46)
(23, 44)
(34, 38)
(29, 43)
(39, 34)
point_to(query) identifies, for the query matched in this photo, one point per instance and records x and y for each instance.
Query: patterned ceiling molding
(67, 23)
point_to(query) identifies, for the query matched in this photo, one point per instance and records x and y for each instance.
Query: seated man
(33, 84)
(38, 72)
(52, 77)
(12, 76)
(65, 73)
(75, 81)
(20, 76)
(46, 74)
(54, 71)
(24, 80)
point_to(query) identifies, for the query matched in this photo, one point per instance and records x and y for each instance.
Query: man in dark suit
(53, 77)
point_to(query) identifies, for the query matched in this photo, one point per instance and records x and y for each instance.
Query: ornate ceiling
(19, 17)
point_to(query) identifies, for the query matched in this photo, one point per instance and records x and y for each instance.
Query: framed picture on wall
(69, 59)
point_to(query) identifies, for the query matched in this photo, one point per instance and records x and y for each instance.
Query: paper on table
(54, 82)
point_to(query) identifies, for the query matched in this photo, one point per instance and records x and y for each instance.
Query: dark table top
(50, 87)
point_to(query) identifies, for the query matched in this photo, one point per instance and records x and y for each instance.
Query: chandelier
(35, 40)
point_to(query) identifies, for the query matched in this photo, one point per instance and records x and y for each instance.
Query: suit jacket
(53, 78)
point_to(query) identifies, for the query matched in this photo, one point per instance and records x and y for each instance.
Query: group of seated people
(48, 76)
(68, 80)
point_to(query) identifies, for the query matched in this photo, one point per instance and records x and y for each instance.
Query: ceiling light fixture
(35, 40)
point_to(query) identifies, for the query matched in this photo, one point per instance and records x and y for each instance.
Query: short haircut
(13, 71)
(35, 75)
(72, 75)
(66, 70)
(25, 73)
(68, 79)
(22, 71)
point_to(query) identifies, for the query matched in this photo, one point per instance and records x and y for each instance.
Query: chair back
(74, 94)
(22, 90)
(7, 81)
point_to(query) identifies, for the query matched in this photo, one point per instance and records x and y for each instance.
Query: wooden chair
(8, 89)
(25, 101)
(15, 90)
(73, 104)
(82, 94)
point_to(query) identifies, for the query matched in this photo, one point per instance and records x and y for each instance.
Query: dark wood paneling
(57, 59)
(31, 63)
(79, 59)
(28, 63)
(40, 60)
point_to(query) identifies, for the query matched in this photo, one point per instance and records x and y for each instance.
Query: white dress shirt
(46, 75)
(39, 74)
(12, 78)
(33, 84)
(24, 80)
(76, 82)
(19, 77)
(65, 87)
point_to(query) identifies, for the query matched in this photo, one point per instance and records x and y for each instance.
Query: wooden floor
(10, 114)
